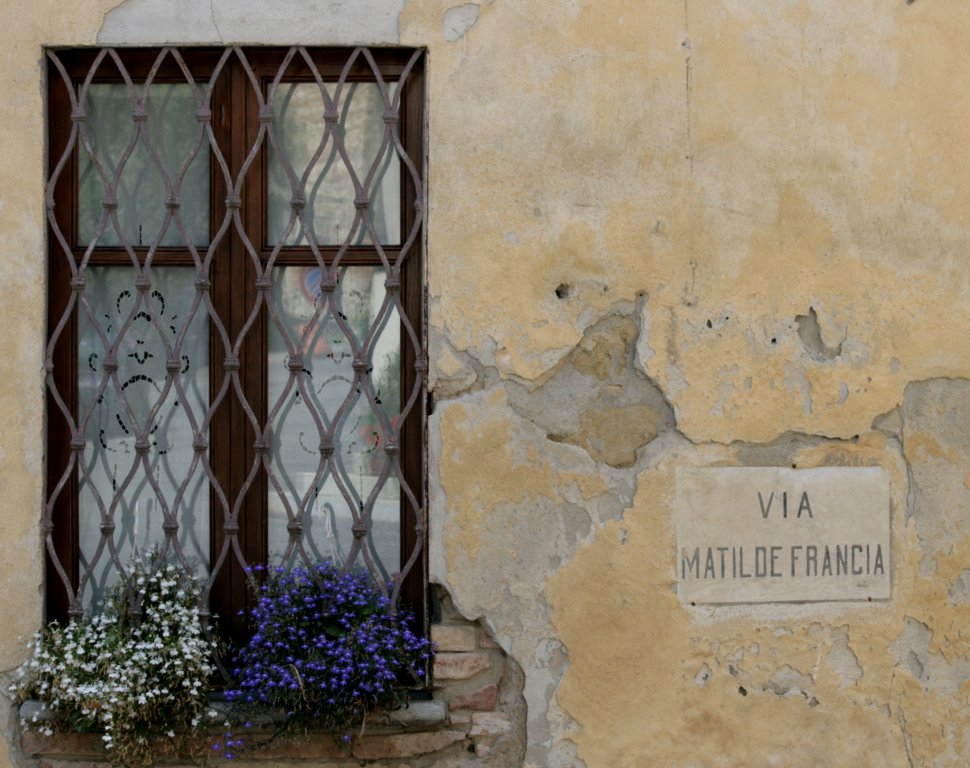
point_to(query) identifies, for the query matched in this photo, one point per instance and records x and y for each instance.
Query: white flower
(88, 670)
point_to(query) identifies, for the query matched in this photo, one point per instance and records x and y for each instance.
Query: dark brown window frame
(235, 124)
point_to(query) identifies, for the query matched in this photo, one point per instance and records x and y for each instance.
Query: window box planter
(421, 727)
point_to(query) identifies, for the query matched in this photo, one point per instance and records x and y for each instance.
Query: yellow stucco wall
(26, 28)
(660, 234)
(775, 194)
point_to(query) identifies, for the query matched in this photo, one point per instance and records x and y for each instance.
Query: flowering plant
(133, 678)
(328, 649)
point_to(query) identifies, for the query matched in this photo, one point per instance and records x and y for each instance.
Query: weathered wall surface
(697, 234)
(660, 234)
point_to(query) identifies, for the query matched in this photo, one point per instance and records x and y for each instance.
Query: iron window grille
(235, 353)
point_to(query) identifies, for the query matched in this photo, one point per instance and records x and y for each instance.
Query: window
(235, 347)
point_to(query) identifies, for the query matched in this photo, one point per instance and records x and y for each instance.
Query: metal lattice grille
(235, 357)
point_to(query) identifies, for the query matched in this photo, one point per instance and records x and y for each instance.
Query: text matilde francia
(770, 560)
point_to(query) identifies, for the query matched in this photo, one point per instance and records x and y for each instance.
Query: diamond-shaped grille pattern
(245, 274)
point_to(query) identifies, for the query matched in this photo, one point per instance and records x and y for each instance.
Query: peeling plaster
(787, 681)
(810, 333)
(842, 659)
(913, 651)
(804, 653)
(937, 445)
(458, 20)
(960, 591)
(596, 399)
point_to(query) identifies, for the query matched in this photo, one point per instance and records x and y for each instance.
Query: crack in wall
(212, 15)
(282, 22)
(688, 87)
(907, 739)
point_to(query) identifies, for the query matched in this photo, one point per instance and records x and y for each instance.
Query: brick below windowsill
(418, 729)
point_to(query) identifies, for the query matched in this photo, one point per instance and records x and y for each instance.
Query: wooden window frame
(235, 124)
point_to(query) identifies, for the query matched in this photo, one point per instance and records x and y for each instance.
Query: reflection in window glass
(173, 130)
(311, 487)
(329, 189)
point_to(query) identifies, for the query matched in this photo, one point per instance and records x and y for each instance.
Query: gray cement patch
(282, 22)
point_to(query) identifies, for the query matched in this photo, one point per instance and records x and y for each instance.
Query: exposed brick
(460, 717)
(405, 744)
(489, 724)
(453, 637)
(485, 639)
(482, 749)
(459, 666)
(314, 745)
(483, 699)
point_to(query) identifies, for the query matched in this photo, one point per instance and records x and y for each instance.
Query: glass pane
(358, 446)
(109, 455)
(173, 131)
(329, 190)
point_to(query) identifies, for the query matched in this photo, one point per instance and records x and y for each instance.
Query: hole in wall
(563, 290)
(810, 333)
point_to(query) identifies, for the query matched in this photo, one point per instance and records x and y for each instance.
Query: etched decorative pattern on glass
(158, 358)
(140, 490)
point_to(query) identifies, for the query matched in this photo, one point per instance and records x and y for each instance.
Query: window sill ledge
(421, 728)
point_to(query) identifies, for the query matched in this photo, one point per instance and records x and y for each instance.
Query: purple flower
(328, 649)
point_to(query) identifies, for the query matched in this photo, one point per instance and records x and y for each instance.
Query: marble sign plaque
(765, 535)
